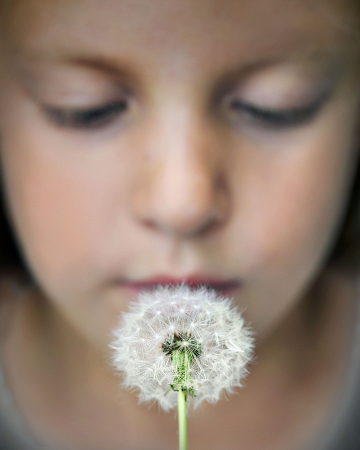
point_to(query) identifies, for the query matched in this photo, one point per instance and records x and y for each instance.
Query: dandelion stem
(182, 420)
(182, 384)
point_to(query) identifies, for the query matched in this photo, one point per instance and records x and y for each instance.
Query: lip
(221, 286)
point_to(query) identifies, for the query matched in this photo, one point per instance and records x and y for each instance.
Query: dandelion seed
(197, 322)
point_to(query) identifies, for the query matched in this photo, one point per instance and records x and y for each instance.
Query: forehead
(193, 30)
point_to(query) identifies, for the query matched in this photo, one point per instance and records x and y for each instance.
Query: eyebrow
(331, 60)
(96, 63)
(114, 67)
(27, 65)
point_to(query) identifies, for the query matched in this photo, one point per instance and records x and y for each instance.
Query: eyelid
(280, 117)
(276, 81)
(93, 117)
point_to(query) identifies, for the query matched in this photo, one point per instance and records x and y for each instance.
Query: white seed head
(226, 344)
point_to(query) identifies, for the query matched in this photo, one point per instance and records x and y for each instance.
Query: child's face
(146, 141)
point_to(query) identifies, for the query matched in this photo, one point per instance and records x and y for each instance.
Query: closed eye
(86, 118)
(278, 118)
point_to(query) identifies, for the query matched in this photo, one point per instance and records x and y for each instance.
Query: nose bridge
(180, 190)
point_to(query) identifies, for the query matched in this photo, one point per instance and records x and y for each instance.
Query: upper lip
(217, 284)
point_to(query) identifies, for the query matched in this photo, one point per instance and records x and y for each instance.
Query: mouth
(220, 286)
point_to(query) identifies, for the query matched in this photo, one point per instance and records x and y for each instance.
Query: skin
(178, 184)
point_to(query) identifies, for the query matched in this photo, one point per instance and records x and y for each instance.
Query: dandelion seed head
(210, 329)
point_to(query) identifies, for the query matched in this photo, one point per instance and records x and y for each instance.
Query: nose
(181, 189)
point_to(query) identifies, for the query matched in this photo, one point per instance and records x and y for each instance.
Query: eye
(277, 118)
(86, 118)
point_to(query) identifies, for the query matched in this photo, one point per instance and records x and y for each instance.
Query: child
(152, 142)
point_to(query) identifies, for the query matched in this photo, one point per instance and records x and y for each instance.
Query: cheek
(298, 195)
(63, 200)
(42, 193)
(49, 212)
(289, 214)
(314, 201)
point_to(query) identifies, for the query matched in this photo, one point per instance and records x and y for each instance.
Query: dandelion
(179, 343)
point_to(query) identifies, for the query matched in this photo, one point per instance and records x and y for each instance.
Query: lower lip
(224, 289)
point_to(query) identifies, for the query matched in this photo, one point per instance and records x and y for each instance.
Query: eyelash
(277, 118)
(86, 118)
(98, 117)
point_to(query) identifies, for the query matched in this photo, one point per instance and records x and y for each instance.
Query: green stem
(182, 420)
